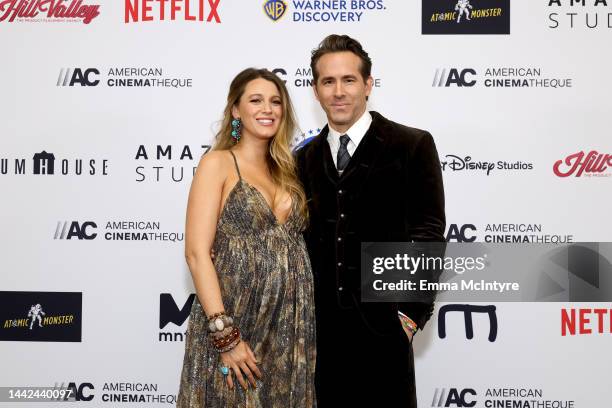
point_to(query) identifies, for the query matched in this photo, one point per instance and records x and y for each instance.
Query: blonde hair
(280, 159)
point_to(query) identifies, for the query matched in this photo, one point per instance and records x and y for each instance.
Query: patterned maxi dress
(266, 284)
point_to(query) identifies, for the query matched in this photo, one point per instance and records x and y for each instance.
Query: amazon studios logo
(587, 15)
(465, 17)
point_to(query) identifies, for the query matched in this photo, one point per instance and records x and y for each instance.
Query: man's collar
(355, 132)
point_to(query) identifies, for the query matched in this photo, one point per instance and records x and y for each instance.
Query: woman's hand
(242, 362)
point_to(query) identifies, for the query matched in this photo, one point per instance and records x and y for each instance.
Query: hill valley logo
(591, 164)
(466, 17)
(47, 11)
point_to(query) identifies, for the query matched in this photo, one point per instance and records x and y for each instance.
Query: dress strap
(236, 163)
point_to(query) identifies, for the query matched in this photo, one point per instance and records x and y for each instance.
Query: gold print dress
(266, 284)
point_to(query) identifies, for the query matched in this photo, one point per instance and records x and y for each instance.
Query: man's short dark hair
(340, 43)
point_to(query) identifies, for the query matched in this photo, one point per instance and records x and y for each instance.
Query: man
(367, 179)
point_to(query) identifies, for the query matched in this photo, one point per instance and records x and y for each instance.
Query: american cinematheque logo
(121, 77)
(40, 316)
(466, 17)
(48, 11)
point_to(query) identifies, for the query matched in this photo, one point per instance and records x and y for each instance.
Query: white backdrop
(121, 281)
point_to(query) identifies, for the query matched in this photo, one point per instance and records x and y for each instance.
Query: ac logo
(275, 9)
(79, 393)
(458, 234)
(460, 78)
(281, 73)
(69, 77)
(468, 310)
(454, 398)
(69, 230)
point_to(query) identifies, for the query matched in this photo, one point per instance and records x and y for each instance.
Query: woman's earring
(236, 124)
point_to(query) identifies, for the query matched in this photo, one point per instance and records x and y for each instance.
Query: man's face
(341, 90)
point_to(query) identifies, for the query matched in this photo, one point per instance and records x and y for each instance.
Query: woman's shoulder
(214, 166)
(218, 159)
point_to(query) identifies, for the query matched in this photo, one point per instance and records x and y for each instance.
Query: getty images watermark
(479, 272)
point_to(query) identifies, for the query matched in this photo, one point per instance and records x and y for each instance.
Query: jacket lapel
(323, 153)
(368, 150)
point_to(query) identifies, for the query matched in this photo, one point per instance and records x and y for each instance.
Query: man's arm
(427, 218)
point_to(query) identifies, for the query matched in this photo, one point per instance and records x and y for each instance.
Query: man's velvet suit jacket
(391, 190)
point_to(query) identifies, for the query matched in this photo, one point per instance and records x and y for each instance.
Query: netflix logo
(187, 10)
(585, 321)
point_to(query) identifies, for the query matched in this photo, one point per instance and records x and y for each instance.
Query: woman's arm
(203, 209)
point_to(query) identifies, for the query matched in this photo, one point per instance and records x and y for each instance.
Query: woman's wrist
(223, 334)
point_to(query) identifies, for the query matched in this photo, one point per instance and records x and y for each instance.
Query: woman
(253, 318)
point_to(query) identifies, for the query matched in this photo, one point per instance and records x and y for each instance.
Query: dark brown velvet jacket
(390, 191)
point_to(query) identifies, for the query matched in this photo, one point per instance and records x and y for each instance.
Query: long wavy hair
(281, 163)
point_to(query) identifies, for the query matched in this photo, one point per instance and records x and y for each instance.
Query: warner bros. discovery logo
(275, 9)
(169, 312)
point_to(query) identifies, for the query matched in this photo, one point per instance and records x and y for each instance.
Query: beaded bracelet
(408, 323)
(219, 321)
(227, 342)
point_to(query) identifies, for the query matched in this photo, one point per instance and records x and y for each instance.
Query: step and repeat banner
(107, 106)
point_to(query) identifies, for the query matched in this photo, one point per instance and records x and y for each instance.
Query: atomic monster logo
(463, 7)
(36, 313)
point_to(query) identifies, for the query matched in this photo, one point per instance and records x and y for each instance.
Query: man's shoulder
(398, 133)
(308, 149)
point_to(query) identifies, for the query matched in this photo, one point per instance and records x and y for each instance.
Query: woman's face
(260, 109)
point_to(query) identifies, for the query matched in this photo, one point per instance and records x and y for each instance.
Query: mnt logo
(275, 9)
